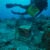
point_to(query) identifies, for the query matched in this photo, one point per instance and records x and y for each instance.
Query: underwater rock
(47, 25)
(46, 39)
(6, 34)
(0, 20)
(10, 26)
(30, 32)
(27, 26)
(25, 31)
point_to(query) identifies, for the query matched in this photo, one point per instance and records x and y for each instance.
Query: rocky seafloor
(25, 34)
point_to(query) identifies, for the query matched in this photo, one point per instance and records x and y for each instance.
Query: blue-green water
(22, 32)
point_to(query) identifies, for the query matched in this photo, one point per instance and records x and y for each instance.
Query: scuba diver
(32, 9)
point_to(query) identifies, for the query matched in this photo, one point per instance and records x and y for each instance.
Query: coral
(27, 32)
